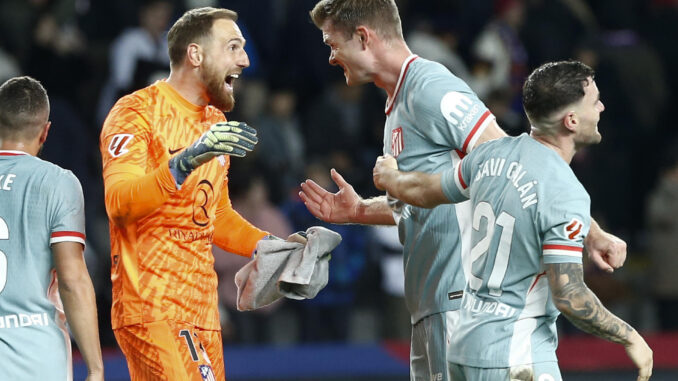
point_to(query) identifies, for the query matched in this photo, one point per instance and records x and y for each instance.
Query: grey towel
(288, 269)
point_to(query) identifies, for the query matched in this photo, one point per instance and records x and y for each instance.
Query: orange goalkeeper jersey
(161, 237)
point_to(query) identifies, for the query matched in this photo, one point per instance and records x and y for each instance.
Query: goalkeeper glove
(225, 138)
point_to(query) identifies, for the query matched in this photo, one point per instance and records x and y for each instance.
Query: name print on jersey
(118, 144)
(494, 167)
(458, 109)
(6, 181)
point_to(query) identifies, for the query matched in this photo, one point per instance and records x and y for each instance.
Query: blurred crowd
(88, 53)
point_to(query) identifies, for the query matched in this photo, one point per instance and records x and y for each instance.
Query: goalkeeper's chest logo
(397, 141)
(118, 144)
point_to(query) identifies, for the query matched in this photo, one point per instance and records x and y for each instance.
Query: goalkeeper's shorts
(166, 350)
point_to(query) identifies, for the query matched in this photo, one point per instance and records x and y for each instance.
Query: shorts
(169, 351)
(543, 371)
(428, 350)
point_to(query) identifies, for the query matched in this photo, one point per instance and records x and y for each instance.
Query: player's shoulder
(50, 173)
(134, 107)
(426, 73)
(496, 147)
(136, 102)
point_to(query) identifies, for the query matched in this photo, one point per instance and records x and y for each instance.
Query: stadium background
(89, 52)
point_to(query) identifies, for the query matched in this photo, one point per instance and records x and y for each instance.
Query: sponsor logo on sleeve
(458, 109)
(118, 145)
(573, 229)
(397, 141)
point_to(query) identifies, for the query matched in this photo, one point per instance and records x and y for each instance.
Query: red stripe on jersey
(461, 179)
(536, 280)
(474, 130)
(400, 85)
(67, 234)
(563, 247)
(12, 154)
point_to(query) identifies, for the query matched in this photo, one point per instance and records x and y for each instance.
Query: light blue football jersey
(529, 209)
(40, 204)
(432, 120)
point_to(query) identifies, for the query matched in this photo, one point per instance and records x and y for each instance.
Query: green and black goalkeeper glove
(226, 138)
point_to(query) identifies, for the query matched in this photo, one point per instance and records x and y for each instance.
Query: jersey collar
(403, 72)
(12, 153)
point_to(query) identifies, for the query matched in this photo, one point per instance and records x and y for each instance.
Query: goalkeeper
(166, 151)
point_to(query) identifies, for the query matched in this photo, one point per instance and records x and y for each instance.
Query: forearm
(581, 306)
(415, 188)
(235, 234)
(373, 211)
(80, 307)
(130, 199)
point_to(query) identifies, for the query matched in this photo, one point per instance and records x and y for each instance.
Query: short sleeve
(68, 215)
(565, 224)
(455, 181)
(458, 115)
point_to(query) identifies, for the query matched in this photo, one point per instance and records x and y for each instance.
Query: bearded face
(224, 60)
(219, 87)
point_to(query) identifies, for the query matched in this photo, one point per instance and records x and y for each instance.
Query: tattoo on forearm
(581, 306)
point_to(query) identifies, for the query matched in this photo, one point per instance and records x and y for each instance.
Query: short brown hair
(346, 15)
(23, 104)
(193, 26)
(552, 86)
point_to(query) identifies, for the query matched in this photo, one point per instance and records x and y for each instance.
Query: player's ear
(571, 121)
(194, 54)
(363, 35)
(44, 132)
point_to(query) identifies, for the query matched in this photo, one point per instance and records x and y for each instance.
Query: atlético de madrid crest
(397, 141)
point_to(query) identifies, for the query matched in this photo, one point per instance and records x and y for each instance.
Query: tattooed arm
(581, 307)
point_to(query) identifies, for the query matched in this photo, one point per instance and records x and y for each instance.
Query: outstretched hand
(340, 207)
(224, 138)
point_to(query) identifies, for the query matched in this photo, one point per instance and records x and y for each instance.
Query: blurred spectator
(499, 54)
(249, 196)
(138, 55)
(336, 128)
(554, 28)
(281, 148)
(631, 79)
(395, 317)
(9, 67)
(662, 220)
(440, 47)
(327, 316)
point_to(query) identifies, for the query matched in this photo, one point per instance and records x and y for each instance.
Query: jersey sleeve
(231, 231)
(455, 181)
(459, 116)
(67, 221)
(565, 224)
(130, 191)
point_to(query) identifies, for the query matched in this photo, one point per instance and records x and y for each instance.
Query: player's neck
(31, 148)
(389, 65)
(189, 87)
(563, 145)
